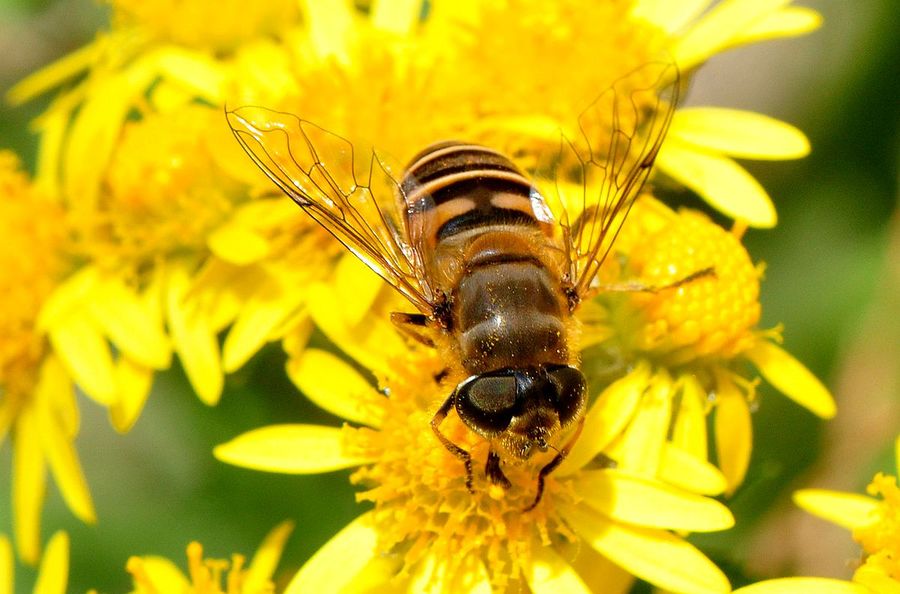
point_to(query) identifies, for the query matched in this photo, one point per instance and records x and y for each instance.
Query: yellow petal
(265, 561)
(738, 133)
(51, 129)
(356, 287)
(66, 469)
(379, 575)
(734, 433)
(607, 417)
(68, 298)
(792, 378)
(689, 430)
(667, 15)
(29, 486)
(371, 343)
(161, 574)
(684, 470)
(642, 444)
(124, 318)
(849, 510)
(268, 307)
(296, 329)
(81, 346)
(167, 96)
(220, 289)
(290, 449)
(431, 576)
(55, 392)
(598, 572)
(724, 184)
(335, 386)
(328, 24)
(197, 73)
(339, 560)
(133, 381)
(396, 16)
(641, 501)
(804, 585)
(7, 566)
(238, 245)
(53, 75)
(718, 27)
(876, 580)
(94, 131)
(53, 575)
(655, 556)
(194, 340)
(549, 573)
(790, 21)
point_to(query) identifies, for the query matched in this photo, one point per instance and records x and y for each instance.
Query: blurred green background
(832, 278)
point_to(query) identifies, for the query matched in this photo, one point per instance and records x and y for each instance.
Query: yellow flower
(142, 240)
(678, 345)
(38, 411)
(53, 574)
(594, 529)
(157, 575)
(875, 525)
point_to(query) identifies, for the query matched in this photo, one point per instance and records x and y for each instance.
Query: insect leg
(636, 286)
(551, 466)
(454, 449)
(493, 471)
(413, 326)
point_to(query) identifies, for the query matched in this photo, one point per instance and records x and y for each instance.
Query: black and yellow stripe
(457, 186)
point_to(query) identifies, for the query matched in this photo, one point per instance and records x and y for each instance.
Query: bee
(471, 241)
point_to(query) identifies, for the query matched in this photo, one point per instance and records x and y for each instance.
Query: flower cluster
(157, 575)
(159, 237)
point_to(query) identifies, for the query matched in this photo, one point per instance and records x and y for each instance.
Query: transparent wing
(359, 201)
(592, 181)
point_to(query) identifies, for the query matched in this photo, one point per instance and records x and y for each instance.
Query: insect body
(471, 242)
(496, 258)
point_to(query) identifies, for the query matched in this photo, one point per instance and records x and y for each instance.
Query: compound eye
(570, 387)
(486, 403)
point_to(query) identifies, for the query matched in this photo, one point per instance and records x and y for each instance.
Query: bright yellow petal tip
(292, 449)
(792, 378)
(804, 585)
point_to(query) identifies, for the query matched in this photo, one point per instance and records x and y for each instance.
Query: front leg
(454, 449)
(551, 466)
(493, 471)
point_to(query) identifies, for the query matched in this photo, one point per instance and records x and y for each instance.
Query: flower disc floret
(705, 297)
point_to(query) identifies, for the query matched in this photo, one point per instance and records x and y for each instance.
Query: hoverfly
(471, 242)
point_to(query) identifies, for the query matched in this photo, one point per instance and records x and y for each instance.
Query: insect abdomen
(453, 188)
(509, 314)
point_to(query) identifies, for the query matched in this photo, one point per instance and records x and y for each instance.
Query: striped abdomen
(487, 234)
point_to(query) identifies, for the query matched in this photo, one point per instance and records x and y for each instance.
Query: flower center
(706, 297)
(419, 489)
(881, 540)
(164, 192)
